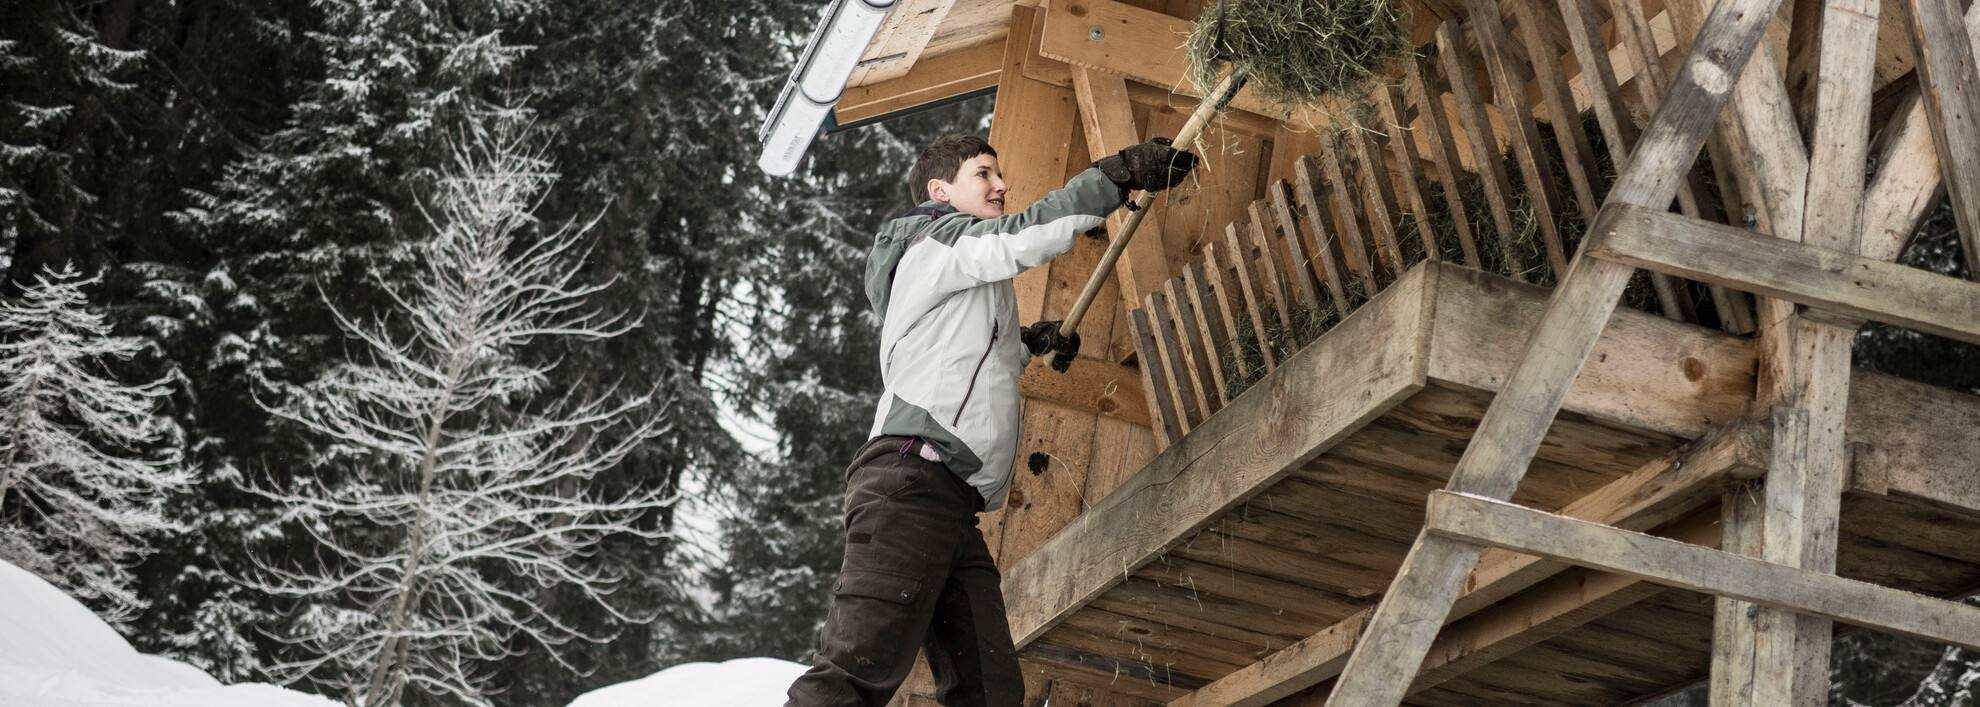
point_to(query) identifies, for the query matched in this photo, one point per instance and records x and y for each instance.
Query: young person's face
(977, 190)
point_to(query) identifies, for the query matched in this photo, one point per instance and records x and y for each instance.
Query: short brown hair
(942, 159)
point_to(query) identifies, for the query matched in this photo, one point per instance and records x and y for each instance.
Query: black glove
(1043, 338)
(1149, 166)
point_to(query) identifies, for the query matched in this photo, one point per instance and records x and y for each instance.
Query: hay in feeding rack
(1296, 52)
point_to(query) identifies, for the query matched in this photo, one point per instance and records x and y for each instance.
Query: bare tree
(475, 483)
(76, 494)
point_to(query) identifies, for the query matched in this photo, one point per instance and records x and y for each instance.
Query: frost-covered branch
(77, 494)
(465, 490)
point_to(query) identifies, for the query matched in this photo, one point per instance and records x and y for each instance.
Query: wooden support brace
(1408, 618)
(1947, 72)
(1846, 284)
(1686, 566)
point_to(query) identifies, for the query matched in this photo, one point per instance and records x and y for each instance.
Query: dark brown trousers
(916, 575)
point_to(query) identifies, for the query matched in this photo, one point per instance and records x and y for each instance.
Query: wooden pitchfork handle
(1197, 120)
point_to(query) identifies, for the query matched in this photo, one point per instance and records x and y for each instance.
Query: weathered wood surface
(933, 79)
(1095, 385)
(1843, 283)
(1300, 264)
(1389, 104)
(1500, 524)
(1408, 618)
(1208, 321)
(1161, 403)
(1170, 363)
(1951, 82)
(1443, 152)
(1283, 421)
(1654, 494)
(1320, 222)
(1509, 86)
(1484, 148)
(1349, 211)
(1245, 264)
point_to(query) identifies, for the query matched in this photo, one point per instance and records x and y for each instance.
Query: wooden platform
(1239, 565)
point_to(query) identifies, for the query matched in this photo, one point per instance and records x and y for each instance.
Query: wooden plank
(1109, 121)
(1947, 71)
(1840, 126)
(899, 42)
(1542, 195)
(1208, 321)
(933, 79)
(1093, 385)
(1907, 184)
(1034, 121)
(1053, 448)
(1377, 357)
(1145, 46)
(1174, 368)
(1272, 270)
(1347, 208)
(1319, 220)
(1686, 566)
(1653, 495)
(1909, 176)
(1584, 175)
(1733, 637)
(1843, 283)
(1284, 672)
(1380, 196)
(1200, 358)
(1389, 102)
(1222, 278)
(1301, 265)
(1443, 152)
(1248, 283)
(1591, 52)
(1416, 605)
(1161, 404)
(1484, 148)
(1277, 595)
(1131, 676)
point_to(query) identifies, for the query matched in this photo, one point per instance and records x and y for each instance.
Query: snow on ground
(743, 682)
(55, 653)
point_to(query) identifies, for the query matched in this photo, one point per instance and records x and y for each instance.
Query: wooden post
(1409, 616)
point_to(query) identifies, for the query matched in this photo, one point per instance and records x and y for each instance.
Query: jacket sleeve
(963, 253)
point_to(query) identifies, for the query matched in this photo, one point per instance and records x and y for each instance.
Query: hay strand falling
(1296, 52)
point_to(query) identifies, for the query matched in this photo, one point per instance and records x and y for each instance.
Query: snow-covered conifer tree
(464, 492)
(76, 493)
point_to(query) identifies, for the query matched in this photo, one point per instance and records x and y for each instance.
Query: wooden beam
(933, 79)
(1415, 607)
(1033, 126)
(1846, 284)
(1143, 45)
(1377, 355)
(1947, 71)
(1094, 385)
(1685, 566)
(1107, 116)
(898, 44)
(1651, 496)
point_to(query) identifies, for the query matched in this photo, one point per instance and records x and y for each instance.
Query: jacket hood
(893, 241)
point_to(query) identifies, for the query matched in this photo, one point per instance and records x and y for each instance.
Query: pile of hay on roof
(1297, 52)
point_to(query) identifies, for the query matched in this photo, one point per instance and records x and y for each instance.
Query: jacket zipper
(994, 326)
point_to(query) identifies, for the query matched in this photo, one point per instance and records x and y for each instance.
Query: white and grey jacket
(949, 351)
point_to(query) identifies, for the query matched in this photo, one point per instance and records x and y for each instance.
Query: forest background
(240, 173)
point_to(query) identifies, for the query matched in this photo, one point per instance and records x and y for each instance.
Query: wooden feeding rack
(1363, 398)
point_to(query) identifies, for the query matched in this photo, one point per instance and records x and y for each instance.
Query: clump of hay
(1297, 51)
